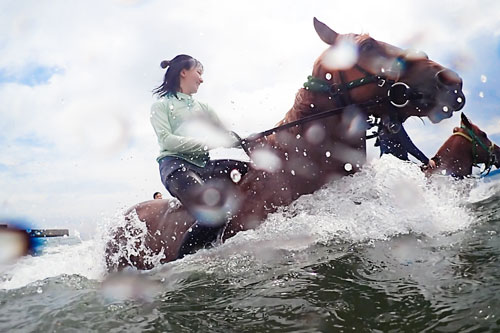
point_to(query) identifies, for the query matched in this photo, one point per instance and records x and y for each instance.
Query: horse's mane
(300, 108)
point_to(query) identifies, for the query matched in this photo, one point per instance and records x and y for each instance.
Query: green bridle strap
(315, 84)
(475, 140)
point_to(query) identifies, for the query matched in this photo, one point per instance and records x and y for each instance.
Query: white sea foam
(81, 258)
(387, 198)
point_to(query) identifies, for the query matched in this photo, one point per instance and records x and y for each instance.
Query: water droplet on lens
(211, 197)
(445, 109)
(328, 76)
(347, 167)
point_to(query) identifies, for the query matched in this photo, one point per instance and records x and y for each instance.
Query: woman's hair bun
(164, 64)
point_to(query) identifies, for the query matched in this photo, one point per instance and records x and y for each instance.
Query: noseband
(475, 141)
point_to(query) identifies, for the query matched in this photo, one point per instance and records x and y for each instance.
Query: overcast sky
(76, 144)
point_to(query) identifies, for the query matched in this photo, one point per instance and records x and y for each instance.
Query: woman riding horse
(183, 126)
(305, 156)
(468, 146)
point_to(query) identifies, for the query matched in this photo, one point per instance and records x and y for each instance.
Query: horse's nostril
(448, 78)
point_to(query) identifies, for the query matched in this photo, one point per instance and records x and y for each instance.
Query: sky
(76, 144)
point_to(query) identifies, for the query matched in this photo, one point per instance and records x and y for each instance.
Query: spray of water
(386, 199)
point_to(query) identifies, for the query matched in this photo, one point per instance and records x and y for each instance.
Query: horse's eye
(412, 54)
(367, 46)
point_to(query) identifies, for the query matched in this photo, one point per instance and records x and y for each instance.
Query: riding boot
(198, 237)
(211, 203)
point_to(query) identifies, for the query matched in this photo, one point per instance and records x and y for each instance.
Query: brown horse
(468, 146)
(375, 79)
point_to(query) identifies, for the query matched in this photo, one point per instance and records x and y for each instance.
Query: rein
(321, 115)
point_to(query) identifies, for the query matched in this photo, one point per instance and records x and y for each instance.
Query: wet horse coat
(307, 156)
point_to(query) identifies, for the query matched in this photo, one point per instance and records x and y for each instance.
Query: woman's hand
(432, 164)
(235, 140)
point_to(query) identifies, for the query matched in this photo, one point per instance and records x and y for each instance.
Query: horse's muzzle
(450, 94)
(496, 153)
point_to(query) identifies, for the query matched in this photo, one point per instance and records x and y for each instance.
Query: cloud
(76, 81)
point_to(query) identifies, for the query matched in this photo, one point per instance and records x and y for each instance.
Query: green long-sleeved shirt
(169, 116)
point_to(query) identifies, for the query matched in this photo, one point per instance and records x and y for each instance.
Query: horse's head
(483, 149)
(359, 69)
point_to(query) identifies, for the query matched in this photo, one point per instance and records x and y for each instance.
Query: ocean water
(384, 250)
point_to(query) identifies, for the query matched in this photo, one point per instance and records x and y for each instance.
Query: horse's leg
(211, 200)
(197, 237)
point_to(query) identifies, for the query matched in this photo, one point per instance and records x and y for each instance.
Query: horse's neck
(302, 107)
(308, 164)
(453, 159)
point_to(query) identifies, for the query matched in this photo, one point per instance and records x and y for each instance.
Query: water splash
(386, 199)
(130, 242)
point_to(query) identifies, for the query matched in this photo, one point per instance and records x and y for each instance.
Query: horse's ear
(326, 34)
(465, 121)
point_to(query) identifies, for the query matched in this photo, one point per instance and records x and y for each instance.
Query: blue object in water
(493, 175)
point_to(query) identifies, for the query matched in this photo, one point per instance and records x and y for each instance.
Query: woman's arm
(169, 141)
(232, 137)
(410, 147)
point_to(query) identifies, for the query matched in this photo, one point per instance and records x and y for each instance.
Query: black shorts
(220, 169)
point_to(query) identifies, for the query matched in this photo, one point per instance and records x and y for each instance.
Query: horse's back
(152, 234)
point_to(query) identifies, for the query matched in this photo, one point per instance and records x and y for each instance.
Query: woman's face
(191, 80)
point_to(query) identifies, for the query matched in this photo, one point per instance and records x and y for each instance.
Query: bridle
(397, 93)
(475, 141)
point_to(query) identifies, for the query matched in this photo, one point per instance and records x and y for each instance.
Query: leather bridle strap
(472, 137)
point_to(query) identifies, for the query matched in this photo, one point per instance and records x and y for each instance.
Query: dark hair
(171, 81)
(156, 193)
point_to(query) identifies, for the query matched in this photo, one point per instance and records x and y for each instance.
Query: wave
(386, 199)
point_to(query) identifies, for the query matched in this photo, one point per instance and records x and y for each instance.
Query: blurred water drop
(348, 167)
(342, 55)
(266, 160)
(484, 78)
(211, 197)
(481, 94)
(315, 134)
